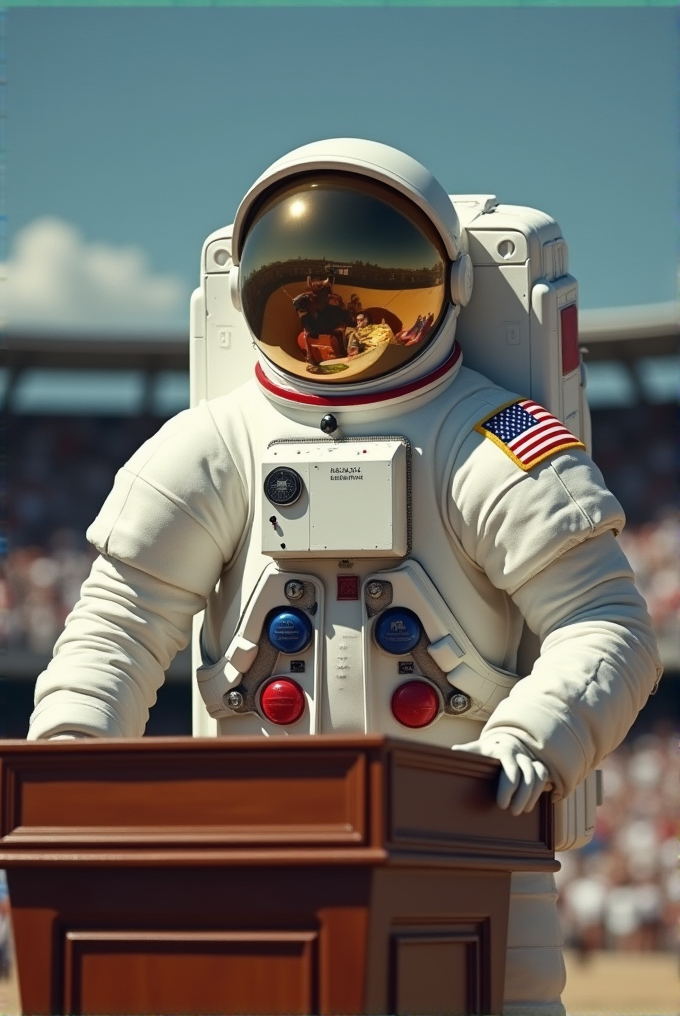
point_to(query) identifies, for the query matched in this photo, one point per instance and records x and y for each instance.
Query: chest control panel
(344, 498)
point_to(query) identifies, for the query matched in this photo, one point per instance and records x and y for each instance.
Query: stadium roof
(629, 332)
(654, 328)
(630, 353)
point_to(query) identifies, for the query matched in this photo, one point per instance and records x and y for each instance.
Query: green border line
(341, 3)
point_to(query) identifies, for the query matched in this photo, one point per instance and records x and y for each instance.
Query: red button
(282, 701)
(415, 704)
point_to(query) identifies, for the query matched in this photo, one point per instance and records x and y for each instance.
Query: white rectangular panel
(353, 501)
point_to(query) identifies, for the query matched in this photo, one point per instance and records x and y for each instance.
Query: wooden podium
(260, 876)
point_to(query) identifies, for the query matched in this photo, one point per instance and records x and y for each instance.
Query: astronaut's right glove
(523, 777)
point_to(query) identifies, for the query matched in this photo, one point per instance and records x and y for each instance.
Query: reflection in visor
(342, 279)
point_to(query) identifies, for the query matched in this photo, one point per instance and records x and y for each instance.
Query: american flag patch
(527, 432)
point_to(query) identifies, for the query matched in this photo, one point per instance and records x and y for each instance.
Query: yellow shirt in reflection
(368, 337)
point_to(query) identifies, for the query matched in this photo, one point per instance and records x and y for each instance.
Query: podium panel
(190, 972)
(320, 875)
(437, 973)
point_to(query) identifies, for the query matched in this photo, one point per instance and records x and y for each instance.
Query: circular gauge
(282, 486)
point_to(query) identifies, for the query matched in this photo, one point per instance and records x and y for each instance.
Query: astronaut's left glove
(523, 777)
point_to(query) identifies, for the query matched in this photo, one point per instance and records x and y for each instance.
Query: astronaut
(369, 540)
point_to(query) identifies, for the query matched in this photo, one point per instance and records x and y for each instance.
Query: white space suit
(494, 538)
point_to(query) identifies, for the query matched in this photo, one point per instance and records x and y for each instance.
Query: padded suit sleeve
(598, 662)
(178, 508)
(111, 659)
(177, 513)
(512, 523)
(547, 537)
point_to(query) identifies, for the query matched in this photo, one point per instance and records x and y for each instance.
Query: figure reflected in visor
(417, 332)
(367, 335)
(324, 318)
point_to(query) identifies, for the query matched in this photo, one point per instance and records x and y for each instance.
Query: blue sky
(133, 133)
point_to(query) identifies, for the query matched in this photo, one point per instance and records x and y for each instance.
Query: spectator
(622, 891)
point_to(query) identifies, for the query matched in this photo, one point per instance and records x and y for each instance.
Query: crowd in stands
(653, 550)
(40, 587)
(622, 891)
(637, 451)
(59, 472)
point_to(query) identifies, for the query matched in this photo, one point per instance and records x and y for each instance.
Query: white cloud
(57, 281)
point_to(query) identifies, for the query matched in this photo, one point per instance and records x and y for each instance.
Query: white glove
(523, 778)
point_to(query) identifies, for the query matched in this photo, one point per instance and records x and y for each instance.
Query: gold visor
(341, 279)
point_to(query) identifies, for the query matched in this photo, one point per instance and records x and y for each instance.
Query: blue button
(397, 631)
(290, 631)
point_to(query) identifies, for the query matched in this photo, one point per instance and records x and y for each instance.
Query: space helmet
(350, 267)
